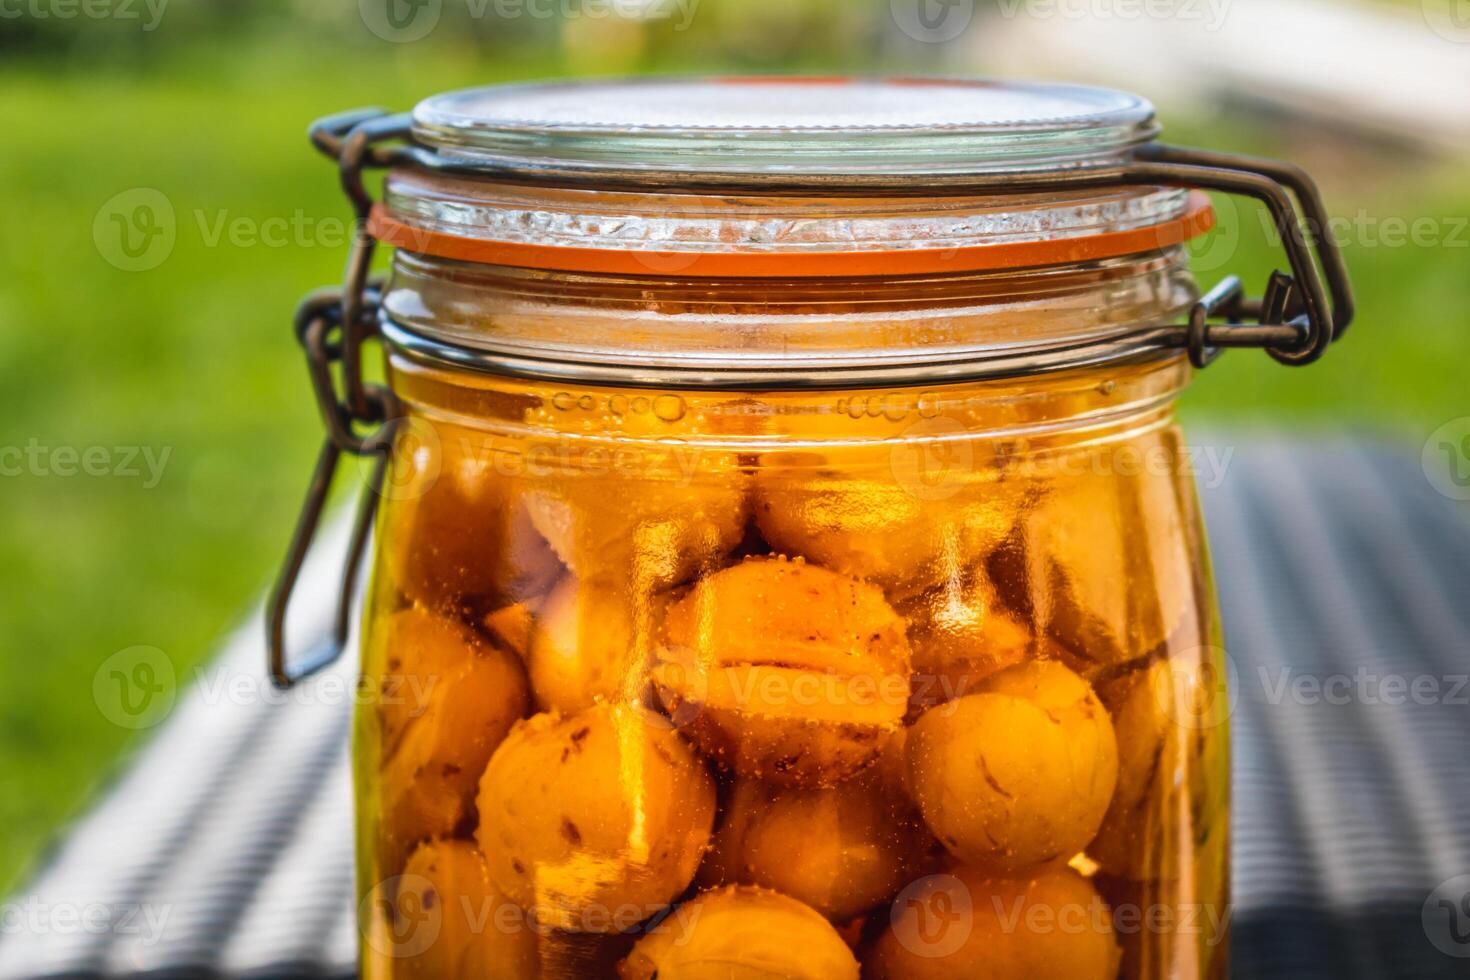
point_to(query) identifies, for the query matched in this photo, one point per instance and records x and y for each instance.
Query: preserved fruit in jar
(708, 774)
(788, 563)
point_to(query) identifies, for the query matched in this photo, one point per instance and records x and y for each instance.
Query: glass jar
(788, 562)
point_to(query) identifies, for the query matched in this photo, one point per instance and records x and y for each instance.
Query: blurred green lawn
(196, 357)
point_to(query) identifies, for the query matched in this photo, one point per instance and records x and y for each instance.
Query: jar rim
(1191, 216)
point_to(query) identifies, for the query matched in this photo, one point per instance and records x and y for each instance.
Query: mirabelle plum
(784, 671)
(880, 529)
(1103, 562)
(1050, 925)
(589, 643)
(595, 821)
(842, 851)
(663, 525)
(741, 934)
(452, 923)
(457, 532)
(464, 697)
(1018, 774)
(1167, 748)
(961, 635)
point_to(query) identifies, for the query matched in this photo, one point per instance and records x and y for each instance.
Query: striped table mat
(224, 847)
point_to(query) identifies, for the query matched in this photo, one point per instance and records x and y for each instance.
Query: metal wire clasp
(332, 325)
(322, 330)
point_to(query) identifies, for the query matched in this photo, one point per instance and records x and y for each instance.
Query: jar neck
(1020, 417)
(827, 333)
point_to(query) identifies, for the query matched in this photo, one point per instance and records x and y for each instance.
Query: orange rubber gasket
(1197, 219)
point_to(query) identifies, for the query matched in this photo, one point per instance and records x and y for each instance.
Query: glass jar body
(919, 681)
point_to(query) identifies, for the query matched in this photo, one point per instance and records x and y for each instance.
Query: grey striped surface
(232, 828)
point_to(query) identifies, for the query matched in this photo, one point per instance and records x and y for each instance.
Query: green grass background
(196, 356)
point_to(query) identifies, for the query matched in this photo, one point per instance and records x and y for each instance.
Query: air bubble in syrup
(670, 408)
(895, 406)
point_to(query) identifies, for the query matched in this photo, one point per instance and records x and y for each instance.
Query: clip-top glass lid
(786, 126)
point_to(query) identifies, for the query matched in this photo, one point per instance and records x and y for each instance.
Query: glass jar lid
(780, 177)
(783, 126)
